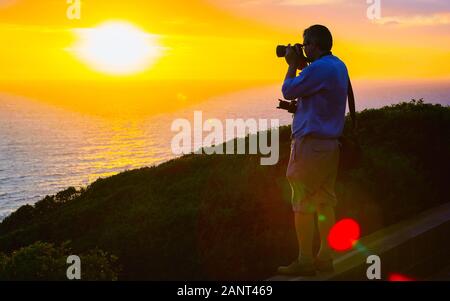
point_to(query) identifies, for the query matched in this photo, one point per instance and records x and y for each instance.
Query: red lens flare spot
(399, 277)
(344, 235)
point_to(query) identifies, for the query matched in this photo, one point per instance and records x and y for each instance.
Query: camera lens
(281, 51)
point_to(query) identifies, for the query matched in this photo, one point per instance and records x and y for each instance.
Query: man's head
(317, 40)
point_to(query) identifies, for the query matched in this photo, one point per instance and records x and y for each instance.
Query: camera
(290, 106)
(281, 50)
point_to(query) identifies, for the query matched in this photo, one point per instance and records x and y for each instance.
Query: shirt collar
(324, 54)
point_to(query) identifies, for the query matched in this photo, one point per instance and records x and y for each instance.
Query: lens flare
(399, 277)
(344, 235)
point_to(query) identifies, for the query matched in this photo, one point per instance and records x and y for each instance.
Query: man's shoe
(324, 265)
(297, 269)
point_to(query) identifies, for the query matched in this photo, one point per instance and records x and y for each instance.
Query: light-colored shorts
(312, 172)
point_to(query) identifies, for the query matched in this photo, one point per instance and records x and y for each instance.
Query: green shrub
(44, 261)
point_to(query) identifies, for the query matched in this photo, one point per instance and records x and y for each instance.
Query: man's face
(309, 48)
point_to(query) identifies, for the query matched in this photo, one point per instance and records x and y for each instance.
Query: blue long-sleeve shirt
(321, 92)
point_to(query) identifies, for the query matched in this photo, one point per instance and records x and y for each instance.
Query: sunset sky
(45, 55)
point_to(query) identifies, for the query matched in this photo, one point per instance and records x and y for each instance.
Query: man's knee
(325, 214)
(303, 208)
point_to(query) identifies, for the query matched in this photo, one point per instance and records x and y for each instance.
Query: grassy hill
(228, 217)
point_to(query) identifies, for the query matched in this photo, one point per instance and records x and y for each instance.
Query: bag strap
(351, 103)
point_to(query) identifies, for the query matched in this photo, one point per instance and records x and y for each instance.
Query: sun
(117, 48)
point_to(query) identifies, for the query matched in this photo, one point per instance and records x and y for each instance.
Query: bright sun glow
(117, 48)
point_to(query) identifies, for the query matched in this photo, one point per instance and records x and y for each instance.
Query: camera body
(290, 106)
(281, 49)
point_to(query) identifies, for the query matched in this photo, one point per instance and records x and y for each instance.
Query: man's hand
(293, 59)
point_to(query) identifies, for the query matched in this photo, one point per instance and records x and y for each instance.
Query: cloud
(415, 7)
(282, 3)
(308, 2)
(416, 20)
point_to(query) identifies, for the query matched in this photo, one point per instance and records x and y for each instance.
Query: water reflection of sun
(124, 147)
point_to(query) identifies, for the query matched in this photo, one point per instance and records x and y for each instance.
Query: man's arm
(291, 73)
(309, 81)
(305, 84)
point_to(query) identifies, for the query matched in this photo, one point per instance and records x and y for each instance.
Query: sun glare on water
(117, 48)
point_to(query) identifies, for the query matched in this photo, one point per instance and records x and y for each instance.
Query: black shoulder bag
(350, 150)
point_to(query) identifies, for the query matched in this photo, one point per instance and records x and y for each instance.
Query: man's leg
(326, 199)
(304, 264)
(304, 227)
(304, 222)
(326, 220)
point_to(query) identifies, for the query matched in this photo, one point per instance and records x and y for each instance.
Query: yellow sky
(201, 42)
(228, 42)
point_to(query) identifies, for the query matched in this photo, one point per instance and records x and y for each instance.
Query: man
(321, 93)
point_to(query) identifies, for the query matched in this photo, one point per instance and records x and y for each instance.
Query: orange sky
(231, 42)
